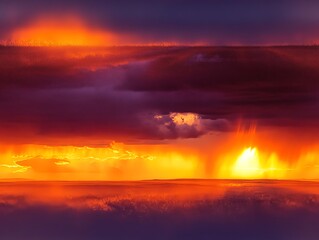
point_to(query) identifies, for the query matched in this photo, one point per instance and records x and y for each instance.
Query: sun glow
(251, 164)
(69, 31)
(114, 162)
(248, 164)
(184, 158)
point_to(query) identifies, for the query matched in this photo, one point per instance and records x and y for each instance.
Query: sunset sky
(144, 113)
(99, 91)
(159, 119)
(214, 22)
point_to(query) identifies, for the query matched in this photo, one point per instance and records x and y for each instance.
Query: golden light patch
(114, 162)
(70, 31)
(248, 164)
(253, 164)
(185, 118)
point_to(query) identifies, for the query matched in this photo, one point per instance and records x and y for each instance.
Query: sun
(253, 164)
(67, 31)
(248, 164)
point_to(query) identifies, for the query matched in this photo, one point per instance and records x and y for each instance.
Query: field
(160, 209)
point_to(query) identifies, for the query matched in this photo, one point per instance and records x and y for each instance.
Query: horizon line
(160, 45)
(4, 180)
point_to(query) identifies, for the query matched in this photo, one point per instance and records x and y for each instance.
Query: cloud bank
(128, 94)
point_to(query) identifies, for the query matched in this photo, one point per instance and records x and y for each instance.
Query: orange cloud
(114, 162)
(45, 165)
(246, 155)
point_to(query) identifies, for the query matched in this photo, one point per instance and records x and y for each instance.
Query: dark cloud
(262, 70)
(255, 83)
(115, 93)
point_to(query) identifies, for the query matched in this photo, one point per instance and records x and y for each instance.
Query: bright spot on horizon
(248, 164)
(66, 31)
(252, 164)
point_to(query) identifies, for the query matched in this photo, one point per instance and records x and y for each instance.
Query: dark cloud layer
(116, 93)
(215, 22)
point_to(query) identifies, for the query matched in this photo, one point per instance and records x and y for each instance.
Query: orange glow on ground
(166, 194)
(70, 31)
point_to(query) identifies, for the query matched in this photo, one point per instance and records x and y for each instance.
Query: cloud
(45, 165)
(114, 93)
(186, 125)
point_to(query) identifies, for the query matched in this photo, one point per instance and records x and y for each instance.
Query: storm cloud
(118, 93)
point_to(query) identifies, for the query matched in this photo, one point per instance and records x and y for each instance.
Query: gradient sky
(151, 112)
(213, 104)
(141, 112)
(186, 22)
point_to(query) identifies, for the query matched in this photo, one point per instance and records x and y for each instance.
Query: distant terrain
(166, 209)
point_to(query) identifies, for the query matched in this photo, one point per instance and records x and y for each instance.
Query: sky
(171, 119)
(153, 112)
(122, 90)
(188, 22)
